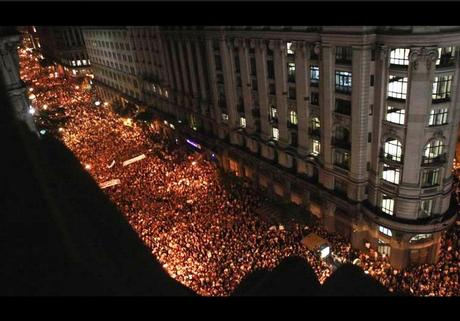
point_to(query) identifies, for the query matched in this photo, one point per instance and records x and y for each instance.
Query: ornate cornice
(430, 54)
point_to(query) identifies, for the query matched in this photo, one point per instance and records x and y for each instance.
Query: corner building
(356, 124)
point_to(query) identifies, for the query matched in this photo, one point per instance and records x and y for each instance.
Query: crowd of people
(200, 225)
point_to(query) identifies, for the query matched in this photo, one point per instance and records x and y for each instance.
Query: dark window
(253, 66)
(292, 93)
(218, 62)
(270, 69)
(342, 159)
(372, 81)
(343, 106)
(272, 89)
(254, 84)
(314, 98)
(343, 55)
(237, 63)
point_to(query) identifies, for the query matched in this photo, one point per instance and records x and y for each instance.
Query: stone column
(192, 68)
(379, 112)
(418, 101)
(245, 80)
(226, 54)
(279, 59)
(326, 102)
(10, 81)
(359, 119)
(213, 83)
(260, 55)
(302, 63)
(183, 73)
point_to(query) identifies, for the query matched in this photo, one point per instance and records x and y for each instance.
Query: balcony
(343, 144)
(439, 160)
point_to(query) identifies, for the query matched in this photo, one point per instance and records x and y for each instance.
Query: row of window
(400, 56)
(441, 91)
(387, 206)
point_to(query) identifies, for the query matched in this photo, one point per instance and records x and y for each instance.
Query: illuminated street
(200, 224)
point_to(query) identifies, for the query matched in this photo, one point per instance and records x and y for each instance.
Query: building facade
(64, 45)
(357, 124)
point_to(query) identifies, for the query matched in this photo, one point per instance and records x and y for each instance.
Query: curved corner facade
(357, 124)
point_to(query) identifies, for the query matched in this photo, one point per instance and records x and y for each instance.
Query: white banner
(112, 182)
(133, 160)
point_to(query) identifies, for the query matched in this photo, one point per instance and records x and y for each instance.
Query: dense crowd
(200, 224)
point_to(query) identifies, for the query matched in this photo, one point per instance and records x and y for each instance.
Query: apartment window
(426, 208)
(272, 89)
(218, 62)
(293, 117)
(315, 124)
(383, 248)
(292, 93)
(372, 81)
(399, 56)
(343, 106)
(314, 75)
(275, 133)
(343, 55)
(445, 56)
(438, 117)
(314, 98)
(315, 147)
(395, 115)
(430, 177)
(397, 87)
(387, 204)
(237, 63)
(393, 149)
(385, 231)
(433, 151)
(342, 134)
(224, 117)
(243, 122)
(343, 81)
(390, 174)
(442, 87)
(289, 48)
(274, 113)
(291, 72)
(253, 66)
(342, 159)
(420, 237)
(254, 84)
(270, 69)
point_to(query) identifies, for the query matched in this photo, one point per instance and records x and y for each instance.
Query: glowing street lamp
(88, 166)
(31, 110)
(106, 103)
(97, 103)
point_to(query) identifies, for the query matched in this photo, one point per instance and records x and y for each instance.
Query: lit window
(397, 87)
(419, 237)
(274, 113)
(293, 117)
(438, 117)
(315, 147)
(166, 94)
(442, 87)
(243, 122)
(433, 151)
(393, 149)
(289, 48)
(342, 159)
(291, 72)
(224, 117)
(399, 56)
(78, 62)
(426, 208)
(385, 231)
(430, 177)
(383, 248)
(445, 56)
(390, 174)
(73, 63)
(387, 204)
(395, 115)
(84, 61)
(315, 124)
(275, 133)
(343, 81)
(314, 75)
